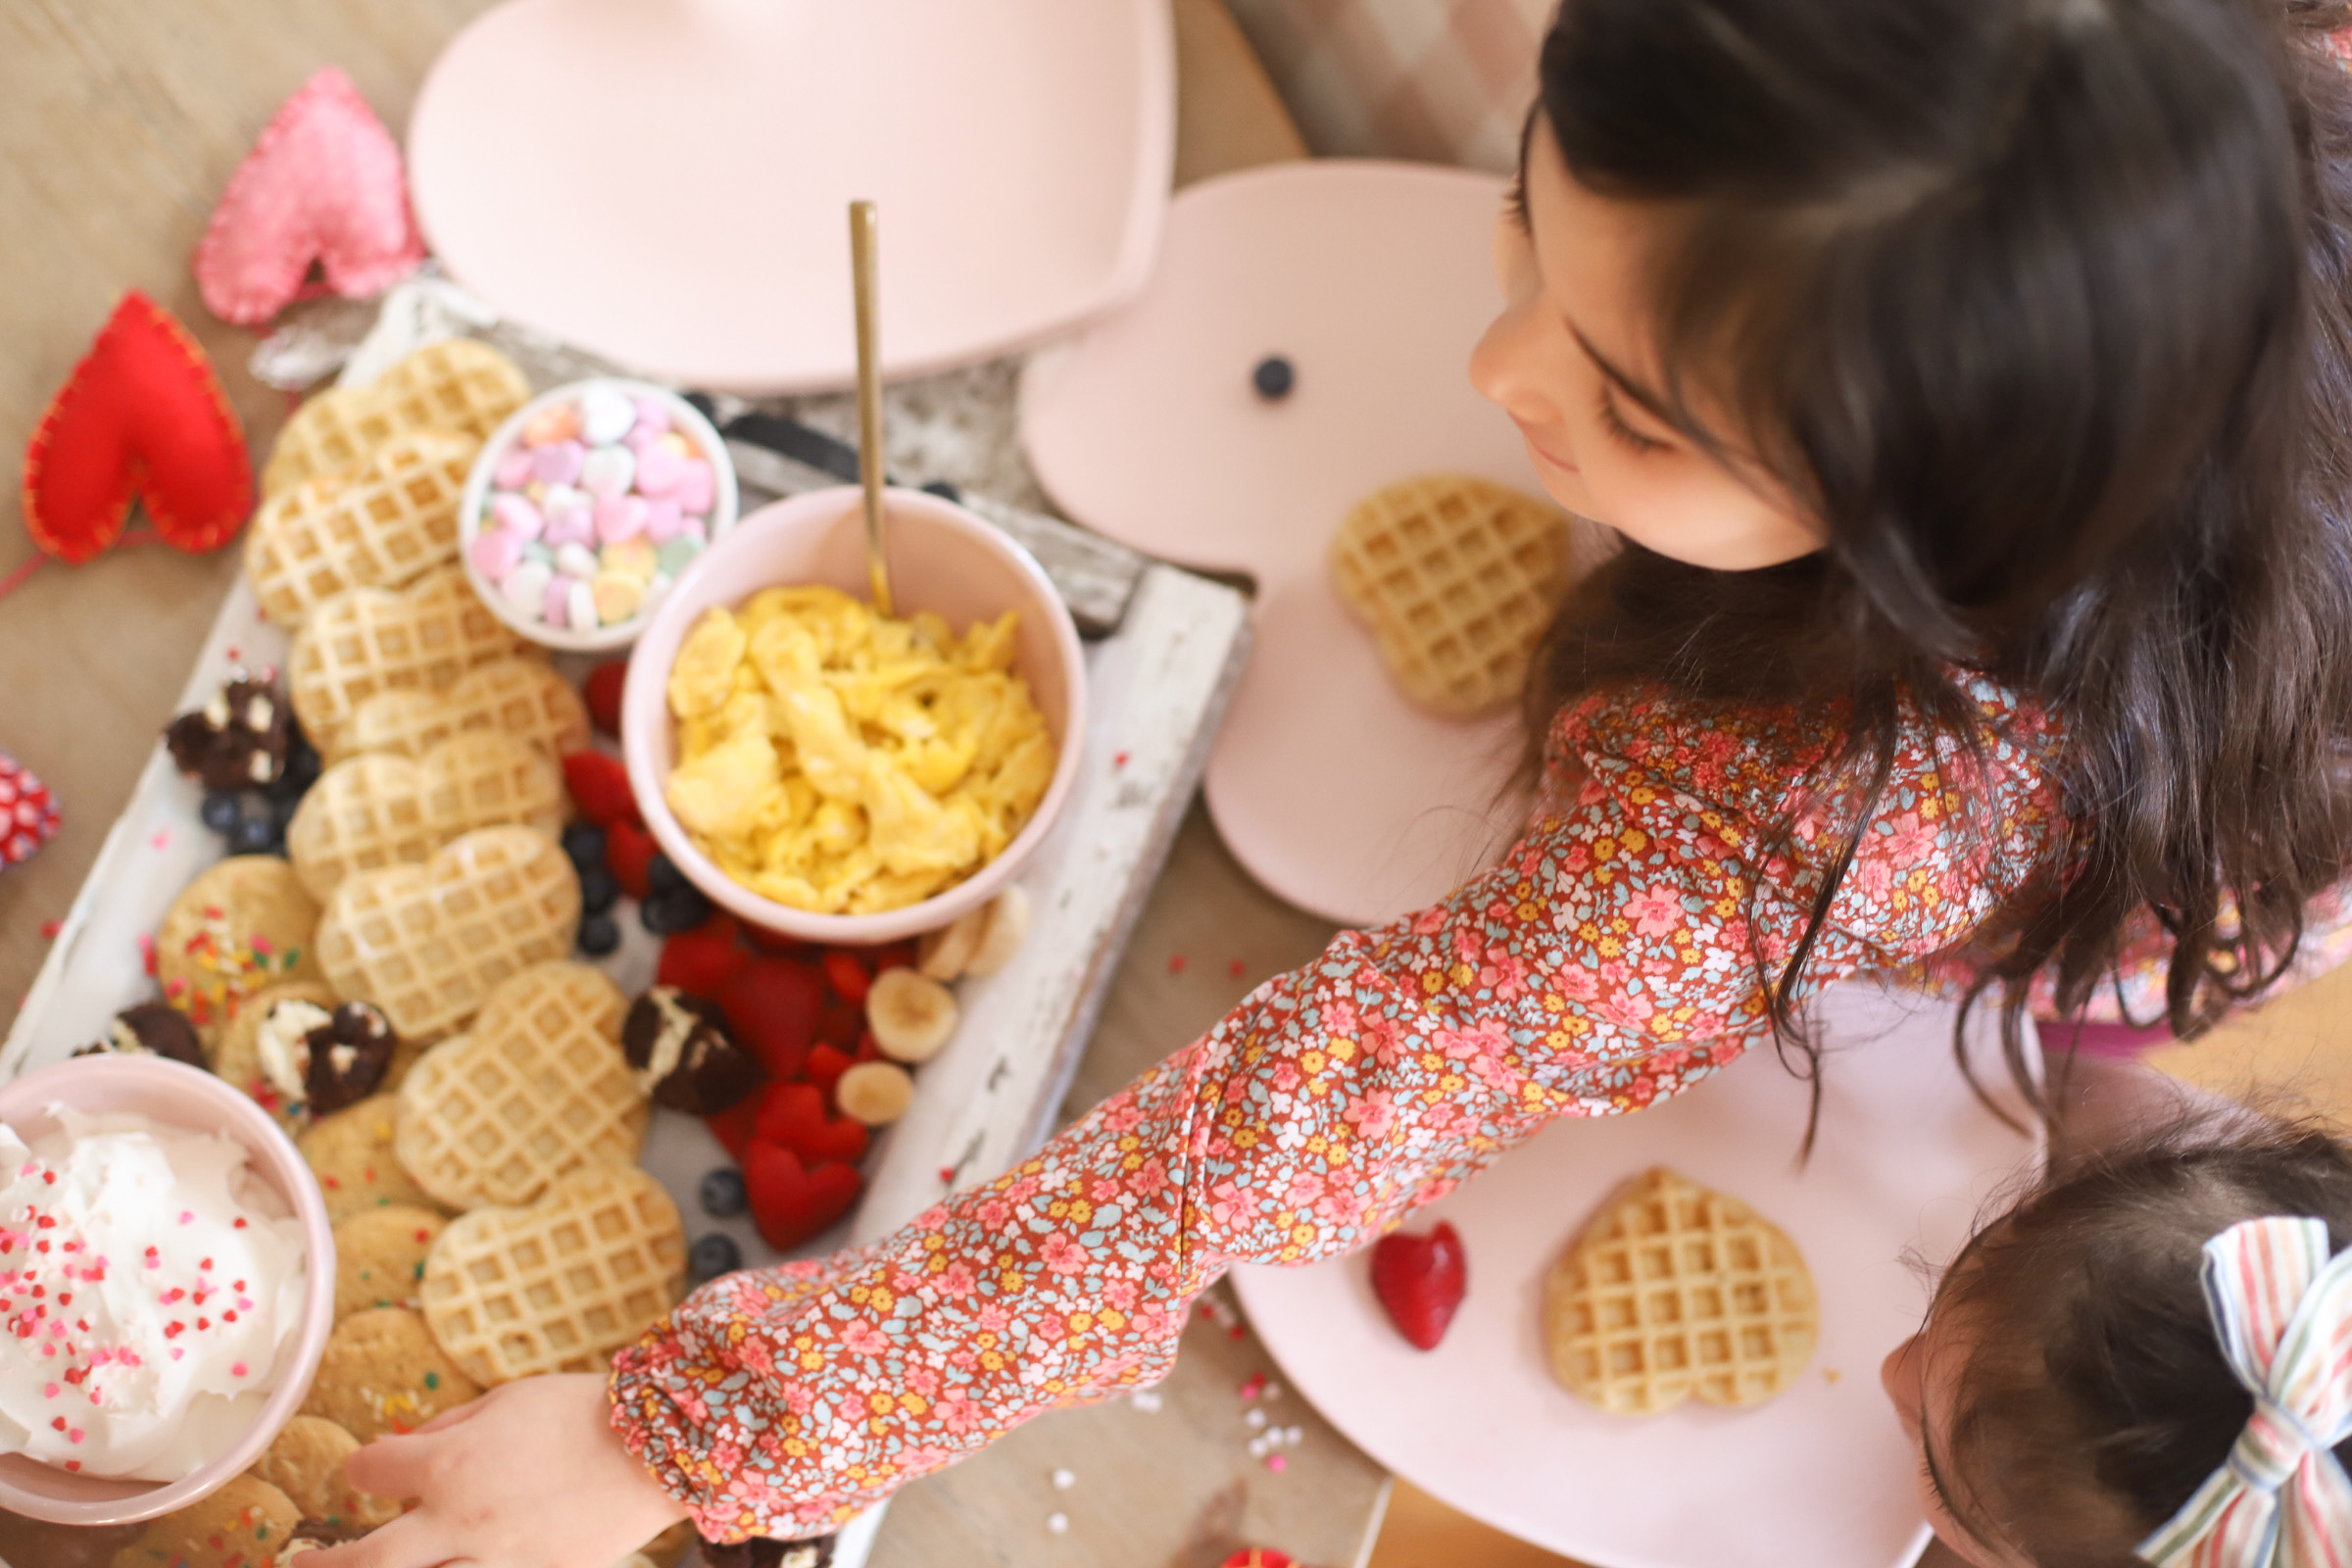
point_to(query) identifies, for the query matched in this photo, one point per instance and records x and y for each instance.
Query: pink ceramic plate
(665, 183)
(1373, 280)
(1821, 1476)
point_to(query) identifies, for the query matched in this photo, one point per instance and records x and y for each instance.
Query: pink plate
(665, 183)
(1373, 280)
(1821, 1475)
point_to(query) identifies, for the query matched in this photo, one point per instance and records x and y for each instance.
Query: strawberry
(790, 1201)
(629, 852)
(897, 956)
(840, 1023)
(600, 788)
(776, 944)
(771, 1004)
(846, 976)
(794, 1115)
(826, 1064)
(732, 1127)
(869, 1048)
(1421, 1279)
(702, 960)
(601, 692)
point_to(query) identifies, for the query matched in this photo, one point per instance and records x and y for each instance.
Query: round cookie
(380, 1256)
(350, 1155)
(382, 1374)
(242, 1524)
(237, 1057)
(305, 1463)
(37, 1543)
(243, 925)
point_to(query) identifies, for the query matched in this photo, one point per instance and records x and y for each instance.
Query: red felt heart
(790, 1201)
(322, 185)
(794, 1115)
(27, 813)
(141, 418)
(1421, 1279)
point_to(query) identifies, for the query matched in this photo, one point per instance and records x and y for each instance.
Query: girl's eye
(1624, 435)
(1514, 200)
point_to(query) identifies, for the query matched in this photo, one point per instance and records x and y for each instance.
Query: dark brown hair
(2042, 308)
(2095, 1401)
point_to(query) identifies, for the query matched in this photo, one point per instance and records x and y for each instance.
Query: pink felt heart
(324, 184)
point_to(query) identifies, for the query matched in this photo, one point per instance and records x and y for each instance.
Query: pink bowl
(178, 1096)
(942, 559)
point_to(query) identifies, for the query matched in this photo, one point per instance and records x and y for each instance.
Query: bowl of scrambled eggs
(840, 776)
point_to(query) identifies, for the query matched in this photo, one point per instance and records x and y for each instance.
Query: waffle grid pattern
(370, 640)
(559, 1286)
(428, 943)
(461, 385)
(384, 523)
(376, 810)
(537, 1089)
(1676, 1292)
(517, 697)
(1459, 577)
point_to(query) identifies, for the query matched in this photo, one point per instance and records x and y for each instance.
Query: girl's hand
(531, 1475)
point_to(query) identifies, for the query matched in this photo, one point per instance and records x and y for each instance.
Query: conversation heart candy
(558, 462)
(516, 512)
(578, 559)
(574, 524)
(618, 596)
(580, 606)
(533, 550)
(659, 468)
(555, 604)
(514, 470)
(675, 555)
(635, 556)
(605, 472)
(606, 414)
(652, 416)
(496, 551)
(662, 518)
(621, 517)
(558, 421)
(698, 486)
(525, 587)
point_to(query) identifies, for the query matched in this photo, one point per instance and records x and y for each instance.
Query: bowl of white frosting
(167, 1286)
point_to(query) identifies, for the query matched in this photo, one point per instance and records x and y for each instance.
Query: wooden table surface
(120, 123)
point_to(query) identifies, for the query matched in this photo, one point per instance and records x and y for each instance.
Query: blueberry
(662, 876)
(599, 889)
(584, 842)
(679, 909)
(219, 811)
(252, 835)
(722, 1193)
(283, 808)
(599, 935)
(712, 1256)
(1273, 378)
(301, 770)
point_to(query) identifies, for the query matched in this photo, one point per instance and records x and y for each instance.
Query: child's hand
(531, 1475)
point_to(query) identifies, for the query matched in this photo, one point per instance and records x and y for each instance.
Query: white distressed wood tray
(1160, 679)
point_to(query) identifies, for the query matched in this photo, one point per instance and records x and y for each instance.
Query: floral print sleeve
(1608, 959)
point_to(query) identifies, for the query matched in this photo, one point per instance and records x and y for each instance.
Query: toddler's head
(2070, 1392)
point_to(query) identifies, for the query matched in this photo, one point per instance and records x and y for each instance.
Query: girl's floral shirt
(1608, 959)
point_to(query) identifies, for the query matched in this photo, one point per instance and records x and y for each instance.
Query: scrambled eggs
(840, 761)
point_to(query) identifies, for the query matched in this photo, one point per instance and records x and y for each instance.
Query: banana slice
(944, 954)
(910, 1014)
(1008, 926)
(875, 1093)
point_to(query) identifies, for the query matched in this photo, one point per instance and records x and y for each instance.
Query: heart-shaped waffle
(386, 522)
(558, 1286)
(1674, 1291)
(458, 385)
(428, 944)
(536, 1088)
(518, 697)
(369, 640)
(1459, 577)
(376, 810)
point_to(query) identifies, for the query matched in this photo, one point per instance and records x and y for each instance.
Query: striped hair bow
(2283, 1311)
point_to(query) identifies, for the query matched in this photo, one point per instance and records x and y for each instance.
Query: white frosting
(150, 1286)
(281, 1042)
(669, 1046)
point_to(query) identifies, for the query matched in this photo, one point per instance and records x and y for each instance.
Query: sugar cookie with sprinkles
(244, 924)
(304, 1461)
(240, 1526)
(380, 1256)
(383, 1375)
(350, 1155)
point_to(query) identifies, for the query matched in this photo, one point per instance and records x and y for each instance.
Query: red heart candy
(629, 852)
(1421, 1279)
(826, 1064)
(27, 813)
(600, 788)
(732, 1127)
(791, 1202)
(322, 185)
(771, 1004)
(794, 1115)
(141, 418)
(701, 961)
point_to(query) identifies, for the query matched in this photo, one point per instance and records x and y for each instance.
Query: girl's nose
(1504, 367)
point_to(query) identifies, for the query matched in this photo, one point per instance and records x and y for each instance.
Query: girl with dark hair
(1970, 383)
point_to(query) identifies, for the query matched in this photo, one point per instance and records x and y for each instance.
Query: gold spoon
(869, 397)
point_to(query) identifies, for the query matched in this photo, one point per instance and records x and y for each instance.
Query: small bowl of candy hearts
(587, 504)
